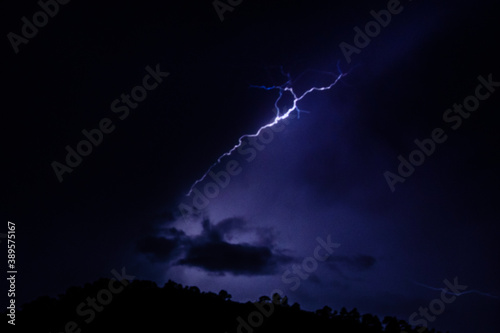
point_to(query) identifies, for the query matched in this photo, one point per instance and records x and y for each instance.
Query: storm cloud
(229, 246)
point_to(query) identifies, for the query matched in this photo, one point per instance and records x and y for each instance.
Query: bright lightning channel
(286, 87)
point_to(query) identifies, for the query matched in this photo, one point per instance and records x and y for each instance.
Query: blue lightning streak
(286, 87)
(446, 291)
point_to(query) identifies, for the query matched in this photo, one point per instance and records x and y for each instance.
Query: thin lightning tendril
(286, 87)
(446, 291)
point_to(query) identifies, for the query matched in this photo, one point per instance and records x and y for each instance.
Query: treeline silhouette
(142, 306)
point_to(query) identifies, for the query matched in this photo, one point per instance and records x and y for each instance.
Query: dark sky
(320, 175)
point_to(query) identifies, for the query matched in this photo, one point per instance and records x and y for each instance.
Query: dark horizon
(141, 305)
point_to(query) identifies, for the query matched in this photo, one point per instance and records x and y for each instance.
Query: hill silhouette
(108, 305)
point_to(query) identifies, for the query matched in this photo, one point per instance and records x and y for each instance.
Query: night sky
(163, 89)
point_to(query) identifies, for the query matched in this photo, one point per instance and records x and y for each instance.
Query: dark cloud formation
(158, 248)
(213, 251)
(231, 227)
(235, 258)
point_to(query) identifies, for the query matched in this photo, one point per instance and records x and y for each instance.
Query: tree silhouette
(325, 312)
(353, 315)
(264, 299)
(224, 295)
(142, 306)
(371, 323)
(194, 290)
(391, 325)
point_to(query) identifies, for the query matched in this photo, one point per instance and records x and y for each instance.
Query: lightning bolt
(446, 291)
(285, 87)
